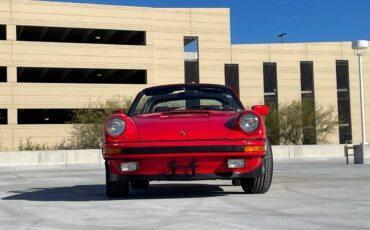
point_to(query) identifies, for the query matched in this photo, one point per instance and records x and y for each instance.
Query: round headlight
(115, 127)
(249, 122)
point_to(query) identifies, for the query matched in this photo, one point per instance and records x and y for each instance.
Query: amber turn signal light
(254, 148)
(111, 151)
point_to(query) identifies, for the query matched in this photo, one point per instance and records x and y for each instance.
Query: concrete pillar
(149, 38)
(150, 77)
(12, 122)
(12, 74)
(12, 116)
(11, 32)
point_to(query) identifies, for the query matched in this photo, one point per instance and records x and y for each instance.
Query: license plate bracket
(193, 165)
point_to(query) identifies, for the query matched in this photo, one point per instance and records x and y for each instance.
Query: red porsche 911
(187, 132)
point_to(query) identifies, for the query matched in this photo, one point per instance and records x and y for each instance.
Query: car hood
(185, 125)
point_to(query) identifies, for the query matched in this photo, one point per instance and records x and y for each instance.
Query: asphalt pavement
(304, 195)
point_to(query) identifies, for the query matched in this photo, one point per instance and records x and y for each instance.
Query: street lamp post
(359, 47)
(281, 36)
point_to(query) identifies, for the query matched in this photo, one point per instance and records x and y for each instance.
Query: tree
(88, 124)
(300, 123)
(272, 125)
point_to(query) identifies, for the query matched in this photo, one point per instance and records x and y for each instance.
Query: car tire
(260, 185)
(115, 188)
(144, 184)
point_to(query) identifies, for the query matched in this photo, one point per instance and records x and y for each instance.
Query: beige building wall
(162, 57)
(288, 57)
(211, 26)
(37, 54)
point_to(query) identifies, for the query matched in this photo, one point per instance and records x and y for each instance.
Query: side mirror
(262, 110)
(120, 111)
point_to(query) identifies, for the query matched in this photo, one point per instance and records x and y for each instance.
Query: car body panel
(183, 126)
(205, 164)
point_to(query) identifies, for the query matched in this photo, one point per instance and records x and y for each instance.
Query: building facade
(57, 57)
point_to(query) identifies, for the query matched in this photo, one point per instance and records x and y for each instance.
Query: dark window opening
(271, 99)
(308, 121)
(232, 76)
(307, 78)
(191, 72)
(80, 35)
(80, 75)
(308, 103)
(2, 32)
(47, 116)
(191, 51)
(270, 83)
(345, 133)
(344, 102)
(3, 116)
(3, 74)
(191, 44)
(344, 107)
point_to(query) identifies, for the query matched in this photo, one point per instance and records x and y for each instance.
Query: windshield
(180, 98)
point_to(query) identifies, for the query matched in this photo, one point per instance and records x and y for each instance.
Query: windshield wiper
(211, 107)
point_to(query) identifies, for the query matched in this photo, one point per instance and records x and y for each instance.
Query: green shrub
(88, 124)
(300, 123)
(28, 145)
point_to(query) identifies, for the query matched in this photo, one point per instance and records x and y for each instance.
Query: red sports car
(187, 132)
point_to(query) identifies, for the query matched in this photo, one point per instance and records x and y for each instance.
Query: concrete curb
(290, 152)
(93, 157)
(62, 158)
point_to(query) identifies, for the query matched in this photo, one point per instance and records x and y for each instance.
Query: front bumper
(258, 172)
(185, 161)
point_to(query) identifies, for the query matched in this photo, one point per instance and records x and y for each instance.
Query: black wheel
(144, 184)
(259, 185)
(115, 188)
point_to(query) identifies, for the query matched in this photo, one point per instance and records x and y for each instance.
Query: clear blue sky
(259, 21)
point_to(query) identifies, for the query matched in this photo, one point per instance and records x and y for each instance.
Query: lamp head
(360, 46)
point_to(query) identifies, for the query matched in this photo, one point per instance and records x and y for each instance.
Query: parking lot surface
(304, 195)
